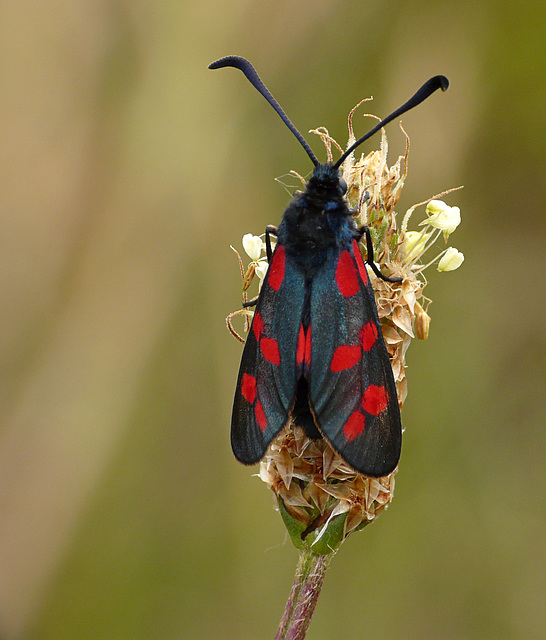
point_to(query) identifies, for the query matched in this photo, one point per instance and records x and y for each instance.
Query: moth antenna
(250, 72)
(430, 86)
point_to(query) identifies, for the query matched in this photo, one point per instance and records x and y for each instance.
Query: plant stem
(303, 597)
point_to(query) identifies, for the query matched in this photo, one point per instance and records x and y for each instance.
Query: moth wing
(266, 385)
(352, 392)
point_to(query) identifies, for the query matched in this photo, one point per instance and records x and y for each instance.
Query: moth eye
(297, 193)
(342, 186)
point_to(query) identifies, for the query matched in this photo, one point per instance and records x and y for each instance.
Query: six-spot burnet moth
(315, 352)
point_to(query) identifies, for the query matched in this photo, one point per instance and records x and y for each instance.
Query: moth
(315, 353)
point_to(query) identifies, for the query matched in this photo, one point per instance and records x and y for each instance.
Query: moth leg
(369, 246)
(250, 303)
(355, 210)
(270, 230)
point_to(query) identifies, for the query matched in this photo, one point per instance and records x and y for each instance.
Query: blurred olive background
(126, 171)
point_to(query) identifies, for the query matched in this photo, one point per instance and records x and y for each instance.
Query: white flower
(261, 269)
(415, 243)
(451, 260)
(441, 216)
(253, 246)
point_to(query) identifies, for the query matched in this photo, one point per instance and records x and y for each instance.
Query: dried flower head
(321, 498)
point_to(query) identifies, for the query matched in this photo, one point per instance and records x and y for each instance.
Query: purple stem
(303, 597)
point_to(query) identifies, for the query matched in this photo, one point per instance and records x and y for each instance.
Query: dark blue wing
(352, 393)
(266, 385)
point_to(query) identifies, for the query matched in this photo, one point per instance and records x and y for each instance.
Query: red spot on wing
(260, 416)
(257, 325)
(248, 388)
(375, 400)
(300, 351)
(345, 357)
(346, 275)
(307, 357)
(276, 268)
(368, 335)
(270, 350)
(360, 263)
(303, 351)
(354, 426)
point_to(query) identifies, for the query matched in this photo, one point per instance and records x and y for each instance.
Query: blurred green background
(126, 171)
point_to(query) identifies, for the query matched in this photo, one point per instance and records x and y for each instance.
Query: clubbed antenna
(244, 65)
(430, 86)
